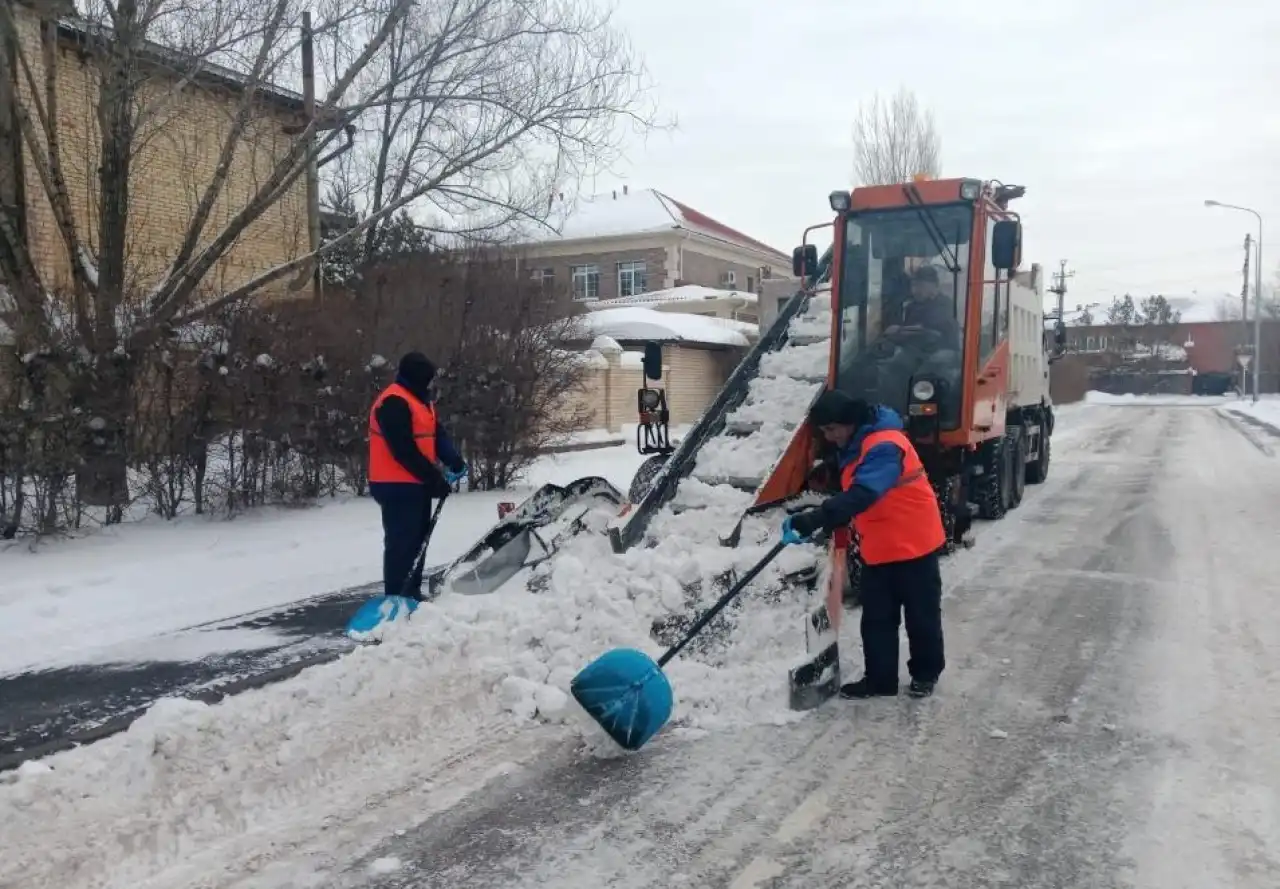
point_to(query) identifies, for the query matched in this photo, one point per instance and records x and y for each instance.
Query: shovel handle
(724, 600)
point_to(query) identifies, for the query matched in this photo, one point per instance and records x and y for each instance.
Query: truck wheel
(993, 484)
(1016, 444)
(643, 479)
(1038, 469)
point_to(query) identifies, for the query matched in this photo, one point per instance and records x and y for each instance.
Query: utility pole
(1059, 288)
(1244, 316)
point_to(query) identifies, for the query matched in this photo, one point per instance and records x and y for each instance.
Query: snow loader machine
(974, 399)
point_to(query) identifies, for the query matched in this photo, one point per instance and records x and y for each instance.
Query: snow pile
(464, 669)
(1267, 408)
(765, 394)
(638, 323)
(800, 362)
(1093, 396)
(463, 675)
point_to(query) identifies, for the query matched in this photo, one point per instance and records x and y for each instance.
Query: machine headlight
(922, 390)
(970, 189)
(650, 399)
(839, 201)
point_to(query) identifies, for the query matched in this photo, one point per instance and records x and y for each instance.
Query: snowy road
(1108, 717)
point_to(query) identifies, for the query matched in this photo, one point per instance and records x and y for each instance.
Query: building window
(586, 281)
(631, 278)
(545, 277)
(751, 284)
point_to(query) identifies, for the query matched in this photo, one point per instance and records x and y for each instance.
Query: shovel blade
(816, 680)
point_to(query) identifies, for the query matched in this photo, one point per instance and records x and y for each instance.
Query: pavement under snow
(1107, 718)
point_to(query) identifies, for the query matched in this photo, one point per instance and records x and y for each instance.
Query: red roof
(715, 227)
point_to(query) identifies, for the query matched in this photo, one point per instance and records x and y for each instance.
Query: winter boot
(864, 689)
(921, 688)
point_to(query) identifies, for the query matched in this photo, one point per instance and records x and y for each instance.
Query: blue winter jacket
(873, 478)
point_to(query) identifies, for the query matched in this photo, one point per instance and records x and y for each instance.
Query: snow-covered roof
(637, 323)
(683, 293)
(638, 212)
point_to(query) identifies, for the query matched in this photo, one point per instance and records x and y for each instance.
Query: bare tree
(476, 110)
(894, 140)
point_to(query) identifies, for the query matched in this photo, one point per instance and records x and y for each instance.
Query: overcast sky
(1119, 116)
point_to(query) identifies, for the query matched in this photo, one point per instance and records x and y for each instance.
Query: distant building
(1203, 343)
(626, 244)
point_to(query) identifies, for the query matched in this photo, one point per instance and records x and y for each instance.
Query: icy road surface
(1108, 718)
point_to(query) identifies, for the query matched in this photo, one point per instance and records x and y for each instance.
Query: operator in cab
(929, 309)
(412, 462)
(887, 499)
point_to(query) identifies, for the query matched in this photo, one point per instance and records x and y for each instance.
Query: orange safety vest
(906, 522)
(383, 466)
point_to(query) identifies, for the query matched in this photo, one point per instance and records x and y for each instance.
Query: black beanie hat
(837, 409)
(416, 370)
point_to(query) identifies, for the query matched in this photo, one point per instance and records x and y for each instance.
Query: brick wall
(709, 271)
(692, 378)
(175, 159)
(654, 258)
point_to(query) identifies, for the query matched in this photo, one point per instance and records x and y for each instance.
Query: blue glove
(790, 536)
(453, 477)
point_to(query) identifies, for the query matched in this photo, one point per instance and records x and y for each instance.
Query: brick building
(176, 154)
(1208, 348)
(627, 243)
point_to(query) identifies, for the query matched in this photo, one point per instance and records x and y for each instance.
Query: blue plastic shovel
(627, 693)
(384, 609)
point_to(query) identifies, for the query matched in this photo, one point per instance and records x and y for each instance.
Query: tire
(992, 492)
(643, 479)
(1038, 470)
(1017, 446)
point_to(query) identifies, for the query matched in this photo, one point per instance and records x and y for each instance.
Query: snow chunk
(800, 362)
(382, 866)
(749, 457)
(606, 345)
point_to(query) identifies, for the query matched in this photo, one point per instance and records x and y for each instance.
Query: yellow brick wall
(691, 377)
(174, 161)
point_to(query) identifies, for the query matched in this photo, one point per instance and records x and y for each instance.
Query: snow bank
(465, 671)
(1095, 397)
(637, 323)
(118, 595)
(1267, 408)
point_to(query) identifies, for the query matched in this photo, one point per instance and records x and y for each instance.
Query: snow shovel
(627, 693)
(381, 610)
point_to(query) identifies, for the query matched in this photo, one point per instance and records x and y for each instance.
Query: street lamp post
(1257, 294)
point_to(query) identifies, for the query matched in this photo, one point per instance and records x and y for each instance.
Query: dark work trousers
(913, 588)
(405, 513)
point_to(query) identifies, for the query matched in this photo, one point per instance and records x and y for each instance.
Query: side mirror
(652, 361)
(1006, 245)
(804, 261)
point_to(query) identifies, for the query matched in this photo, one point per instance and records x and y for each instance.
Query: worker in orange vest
(411, 463)
(887, 499)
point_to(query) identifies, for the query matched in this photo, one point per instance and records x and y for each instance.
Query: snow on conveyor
(462, 676)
